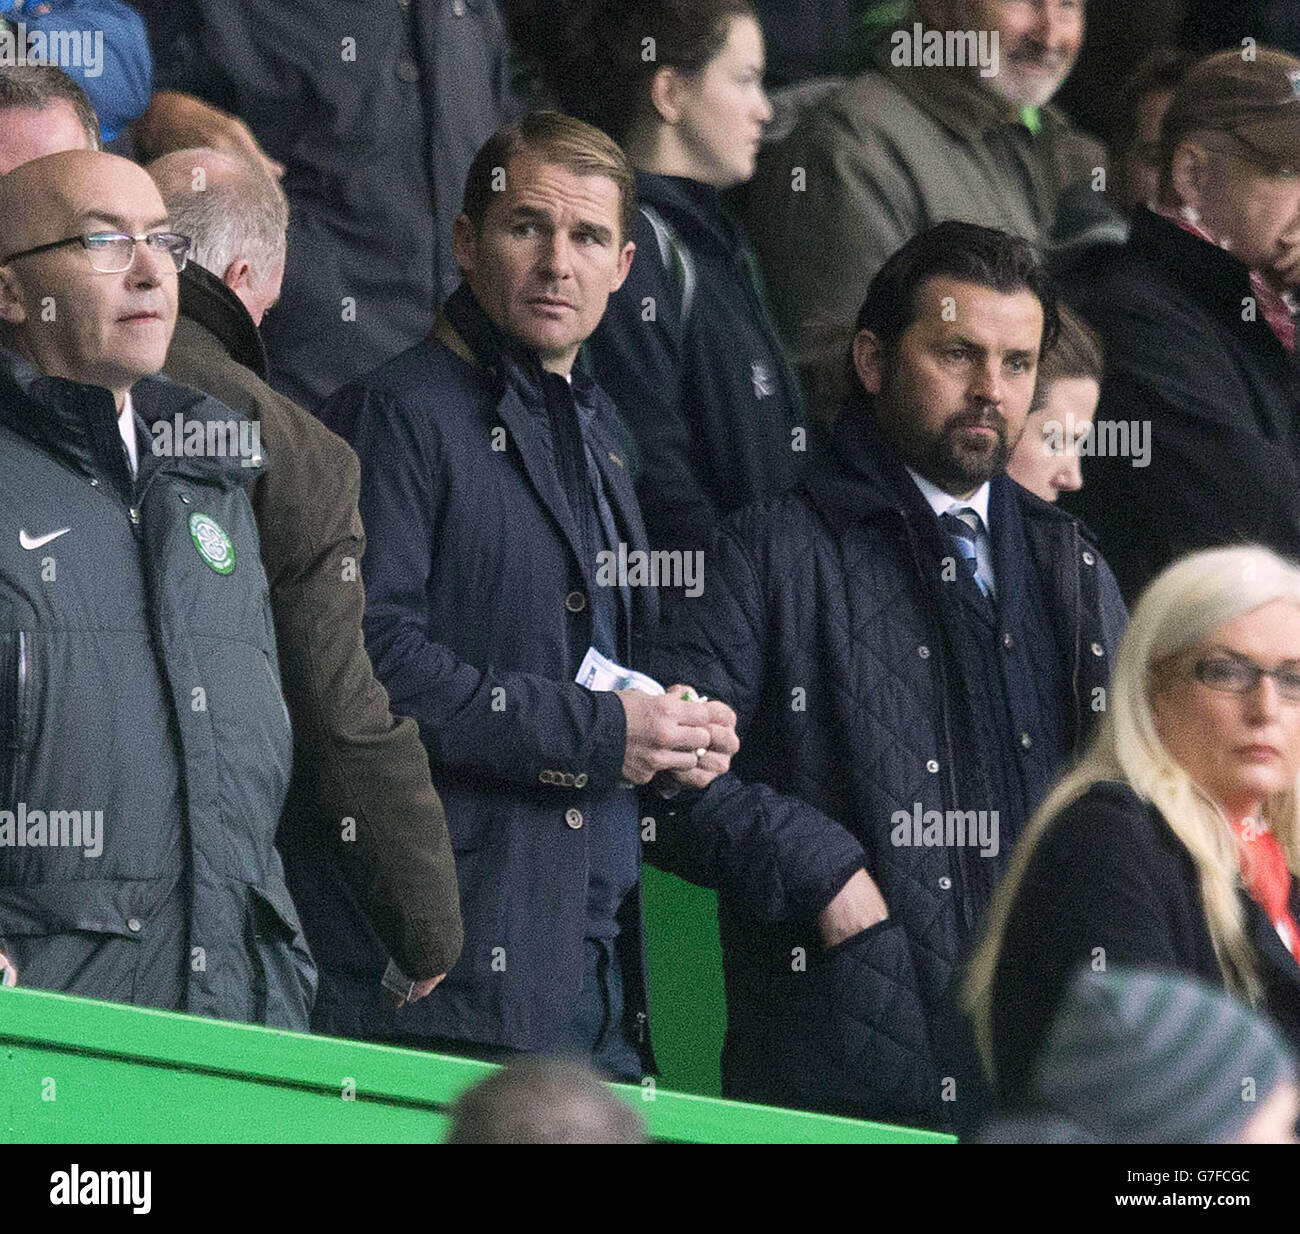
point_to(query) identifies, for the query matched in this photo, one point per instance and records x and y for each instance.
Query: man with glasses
(144, 744)
(1196, 318)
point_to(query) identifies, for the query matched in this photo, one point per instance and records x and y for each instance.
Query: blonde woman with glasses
(1174, 843)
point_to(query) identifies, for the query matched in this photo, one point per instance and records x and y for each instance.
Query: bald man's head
(70, 319)
(235, 214)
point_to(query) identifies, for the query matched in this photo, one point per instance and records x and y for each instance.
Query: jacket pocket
(284, 973)
(17, 696)
(73, 937)
(879, 1032)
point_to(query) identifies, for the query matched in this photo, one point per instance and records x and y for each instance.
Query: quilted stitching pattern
(860, 749)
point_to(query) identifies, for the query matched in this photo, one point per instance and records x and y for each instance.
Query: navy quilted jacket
(822, 624)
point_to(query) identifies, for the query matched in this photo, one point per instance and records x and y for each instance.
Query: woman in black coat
(1175, 843)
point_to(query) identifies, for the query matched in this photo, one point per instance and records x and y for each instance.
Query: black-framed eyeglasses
(111, 252)
(1239, 675)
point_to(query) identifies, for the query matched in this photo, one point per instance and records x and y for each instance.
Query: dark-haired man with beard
(913, 646)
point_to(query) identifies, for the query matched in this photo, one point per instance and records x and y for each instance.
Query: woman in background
(1046, 459)
(687, 349)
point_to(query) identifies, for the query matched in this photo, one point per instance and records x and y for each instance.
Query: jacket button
(1008, 642)
(1089, 559)
(408, 70)
(94, 481)
(1098, 649)
(133, 924)
(575, 601)
(1026, 741)
(580, 780)
(932, 766)
(573, 818)
(544, 777)
(945, 883)
(923, 652)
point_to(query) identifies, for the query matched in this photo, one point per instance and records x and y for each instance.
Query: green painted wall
(688, 1012)
(75, 1071)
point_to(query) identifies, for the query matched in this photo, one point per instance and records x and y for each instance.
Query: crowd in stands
(450, 461)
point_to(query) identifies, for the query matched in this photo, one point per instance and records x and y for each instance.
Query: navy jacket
(376, 111)
(710, 399)
(477, 619)
(824, 623)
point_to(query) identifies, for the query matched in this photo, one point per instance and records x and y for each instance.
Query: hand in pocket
(857, 907)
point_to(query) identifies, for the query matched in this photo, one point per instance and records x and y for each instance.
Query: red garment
(1272, 303)
(1264, 868)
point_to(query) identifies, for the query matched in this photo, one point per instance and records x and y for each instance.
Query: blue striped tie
(963, 525)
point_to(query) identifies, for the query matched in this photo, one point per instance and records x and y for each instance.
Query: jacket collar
(694, 209)
(208, 302)
(865, 479)
(1213, 276)
(516, 376)
(77, 423)
(501, 358)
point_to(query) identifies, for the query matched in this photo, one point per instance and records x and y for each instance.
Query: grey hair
(228, 207)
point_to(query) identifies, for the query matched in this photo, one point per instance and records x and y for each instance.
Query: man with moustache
(908, 636)
(908, 143)
(138, 670)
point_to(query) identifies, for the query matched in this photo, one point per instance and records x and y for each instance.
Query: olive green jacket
(364, 835)
(886, 155)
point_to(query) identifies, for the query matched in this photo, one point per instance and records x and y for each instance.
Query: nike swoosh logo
(30, 542)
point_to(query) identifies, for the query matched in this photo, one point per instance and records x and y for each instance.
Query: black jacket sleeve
(774, 853)
(1103, 887)
(1094, 883)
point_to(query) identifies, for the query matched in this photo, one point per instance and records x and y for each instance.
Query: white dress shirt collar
(941, 502)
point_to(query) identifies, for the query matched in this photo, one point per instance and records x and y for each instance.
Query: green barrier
(688, 1008)
(76, 1071)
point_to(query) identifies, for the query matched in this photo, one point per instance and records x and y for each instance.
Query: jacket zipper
(279, 693)
(18, 734)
